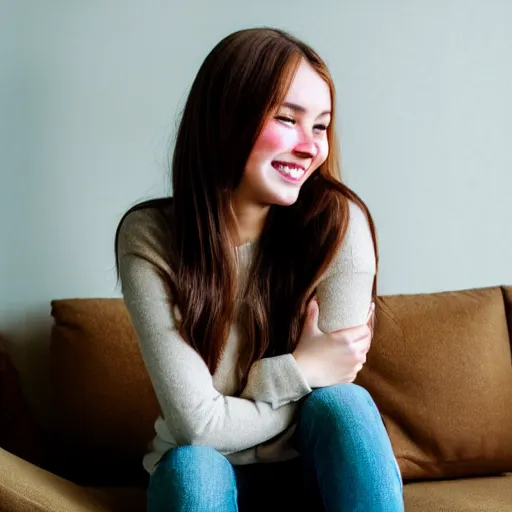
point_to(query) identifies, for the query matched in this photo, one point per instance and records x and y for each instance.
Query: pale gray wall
(89, 96)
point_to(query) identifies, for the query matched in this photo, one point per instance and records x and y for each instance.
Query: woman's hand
(332, 358)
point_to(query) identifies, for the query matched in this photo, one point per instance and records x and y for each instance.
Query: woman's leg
(343, 441)
(193, 479)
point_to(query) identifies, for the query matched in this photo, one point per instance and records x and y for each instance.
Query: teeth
(294, 173)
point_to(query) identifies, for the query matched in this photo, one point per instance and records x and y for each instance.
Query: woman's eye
(289, 120)
(285, 119)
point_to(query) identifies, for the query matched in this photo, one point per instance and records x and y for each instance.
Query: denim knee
(343, 439)
(338, 402)
(190, 477)
(196, 462)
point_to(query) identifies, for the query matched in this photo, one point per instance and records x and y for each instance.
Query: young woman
(251, 291)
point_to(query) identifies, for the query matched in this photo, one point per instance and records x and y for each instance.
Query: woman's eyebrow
(302, 110)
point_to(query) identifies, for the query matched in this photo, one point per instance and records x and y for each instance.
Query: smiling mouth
(292, 172)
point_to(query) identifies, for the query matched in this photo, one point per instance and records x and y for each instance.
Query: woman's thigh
(193, 479)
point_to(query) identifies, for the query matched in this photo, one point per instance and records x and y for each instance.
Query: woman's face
(292, 144)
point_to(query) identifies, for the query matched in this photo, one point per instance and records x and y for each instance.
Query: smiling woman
(251, 292)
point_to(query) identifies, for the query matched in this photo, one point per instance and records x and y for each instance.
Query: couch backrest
(439, 370)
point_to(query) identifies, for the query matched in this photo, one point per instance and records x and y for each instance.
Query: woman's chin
(285, 199)
(279, 196)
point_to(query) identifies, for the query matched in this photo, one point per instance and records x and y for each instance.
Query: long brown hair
(241, 82)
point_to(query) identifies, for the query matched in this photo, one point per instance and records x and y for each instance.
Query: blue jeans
(346, 464)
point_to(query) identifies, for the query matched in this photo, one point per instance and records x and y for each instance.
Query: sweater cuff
(276, 381)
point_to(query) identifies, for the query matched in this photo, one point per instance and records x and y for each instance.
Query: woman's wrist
(304, 367)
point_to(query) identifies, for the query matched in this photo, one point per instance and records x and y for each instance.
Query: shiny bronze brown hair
(240, 84)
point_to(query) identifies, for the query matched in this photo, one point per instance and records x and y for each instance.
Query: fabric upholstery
(489, 494)
(105, 405)
(25, 487)
(19, 430)
(440, 372)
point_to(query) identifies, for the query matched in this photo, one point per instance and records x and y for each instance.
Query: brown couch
(439, 370)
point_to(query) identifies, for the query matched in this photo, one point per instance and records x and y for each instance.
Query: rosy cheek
(274, 138)
(324, 151)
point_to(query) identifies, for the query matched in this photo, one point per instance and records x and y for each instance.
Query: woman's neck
(250, 219)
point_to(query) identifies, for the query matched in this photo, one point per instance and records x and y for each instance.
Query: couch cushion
(105, 406)
(440, 372)
(489, 494)
(19, 430)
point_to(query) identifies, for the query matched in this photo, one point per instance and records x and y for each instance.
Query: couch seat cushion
(489, 494)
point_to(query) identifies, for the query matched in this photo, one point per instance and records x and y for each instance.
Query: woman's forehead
(309, 91)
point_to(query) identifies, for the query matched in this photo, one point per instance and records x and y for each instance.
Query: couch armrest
(25, 487)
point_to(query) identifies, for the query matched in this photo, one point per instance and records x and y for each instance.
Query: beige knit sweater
(198, 408)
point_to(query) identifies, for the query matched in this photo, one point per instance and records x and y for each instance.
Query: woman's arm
(276, 380)
(344, 293)
(344, 296)
(193, 410)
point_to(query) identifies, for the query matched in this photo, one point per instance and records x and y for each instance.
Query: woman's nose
(305, 149)
(305, 145)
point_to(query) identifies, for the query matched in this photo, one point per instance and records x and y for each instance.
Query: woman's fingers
(363, 341)
(352, 334)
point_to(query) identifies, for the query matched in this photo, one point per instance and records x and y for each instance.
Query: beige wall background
(89, 97)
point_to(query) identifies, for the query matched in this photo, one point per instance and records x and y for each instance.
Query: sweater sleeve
(276, 380)
(193, 410)
(345, 291)
(344, 296)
